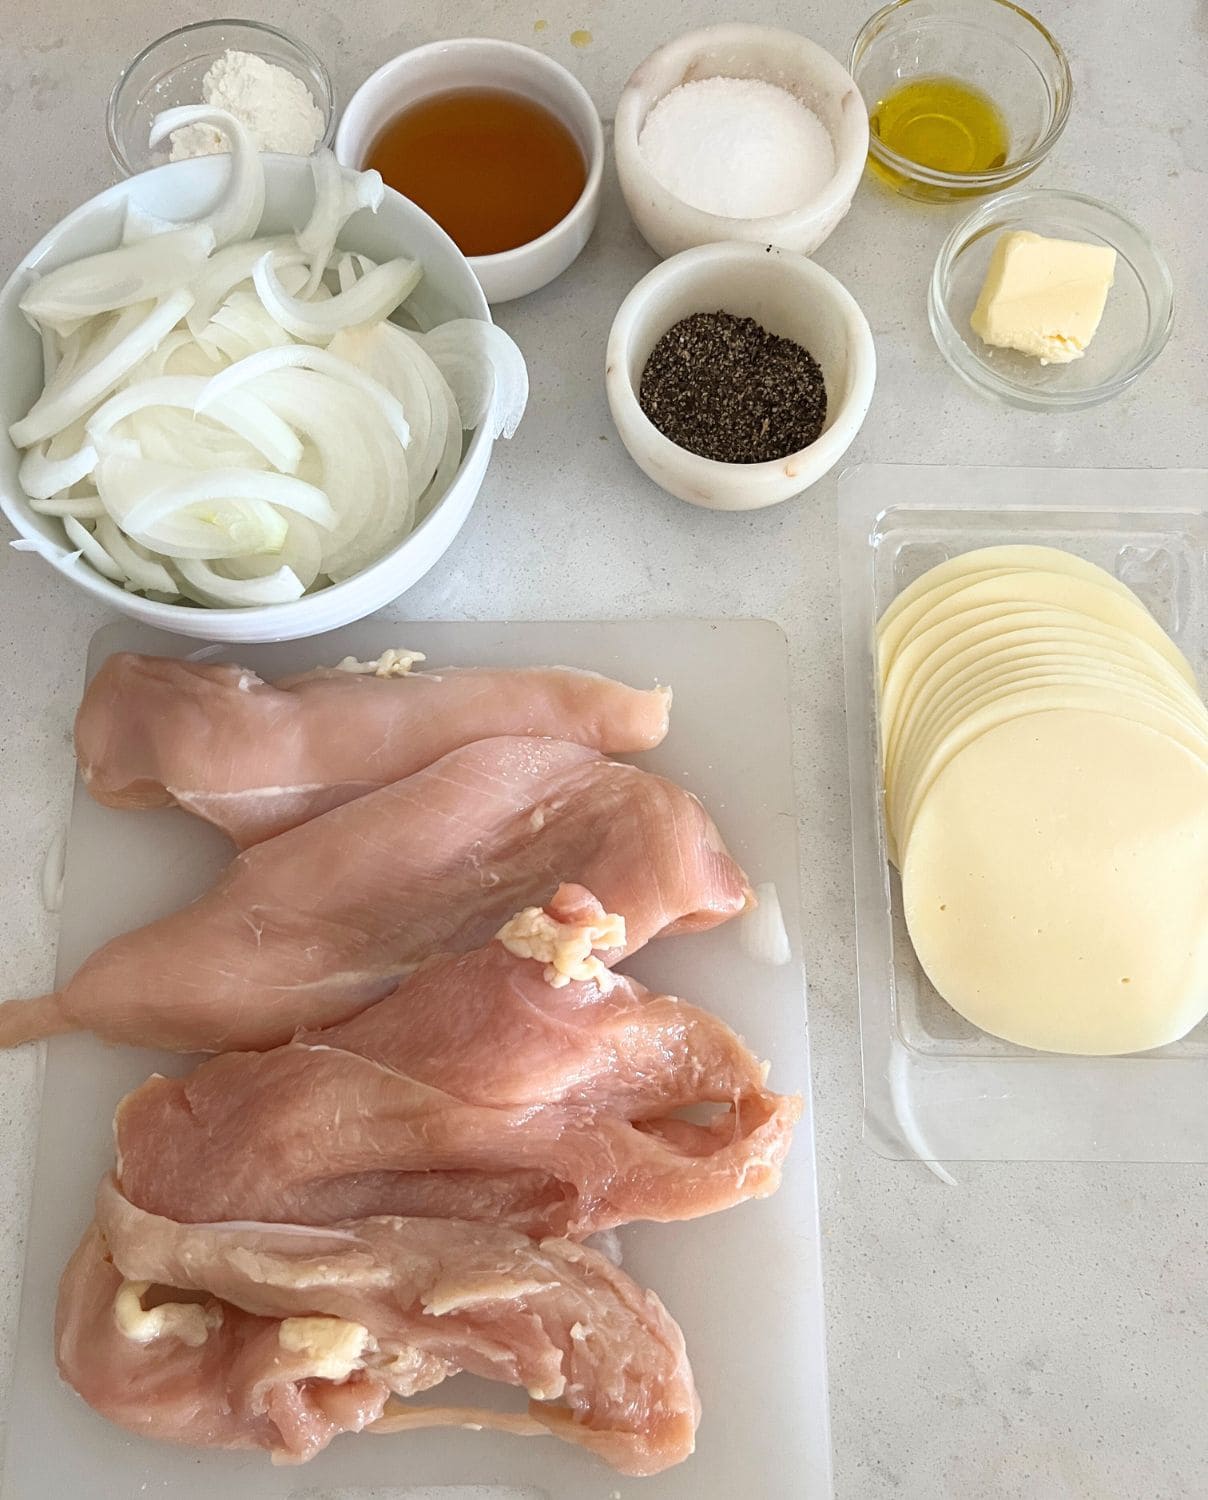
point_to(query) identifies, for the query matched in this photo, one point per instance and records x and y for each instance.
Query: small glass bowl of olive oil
(965, 97)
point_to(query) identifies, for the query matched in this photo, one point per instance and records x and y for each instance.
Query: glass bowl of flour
(275, 84)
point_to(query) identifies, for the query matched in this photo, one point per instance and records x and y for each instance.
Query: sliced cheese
(953, 736)
(926, 652)
(990, 561)
(1040, 588)
(1079, 654)
(1056, 884)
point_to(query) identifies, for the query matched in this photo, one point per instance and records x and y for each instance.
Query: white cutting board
(745, 1285)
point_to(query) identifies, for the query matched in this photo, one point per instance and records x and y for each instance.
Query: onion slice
(206, 514)
(102, 283)
(60, 405)
(141, 572)
(237, 215)
(338, 195)
(218, 485)
(281, 587)
(302, 357)
(248, 418)
(92, 550)
(41, 477)
(82, 507)
(485, 370)
(762, 932)
(375, 296)
(226, 268)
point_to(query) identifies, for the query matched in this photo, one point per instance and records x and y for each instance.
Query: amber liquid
(494, 169)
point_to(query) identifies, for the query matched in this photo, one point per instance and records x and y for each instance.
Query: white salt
(738, 147)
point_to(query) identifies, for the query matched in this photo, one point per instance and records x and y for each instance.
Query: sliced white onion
(303, 357)
(167, 435)
(243, 313)
(219, 485)
(338, 195)
(219, 526)
(60, 405)
(50, 354)
(237, 216)
(281, 587)
(226, 268)
(249, 418)
(41, 477)
(450, 461)
(485, 370)
(92, 550)
(374, 297)
(331, 419)
(346, 273)
(233, 465)
(116, 278)
(140, 571)
(762, 932)
(398, 364)
(301, 552)
(393, 513)
(82, 507)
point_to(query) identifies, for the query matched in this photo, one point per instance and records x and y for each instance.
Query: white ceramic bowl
(740, 51)
(483, 62)
(183, 190)
(788, 295)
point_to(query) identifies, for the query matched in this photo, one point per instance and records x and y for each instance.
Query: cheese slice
(1108, 606)
(951, 737)
(1009, 557)
(1011, 674)
(1044, 297)
(1081, 651)
(1056, 884)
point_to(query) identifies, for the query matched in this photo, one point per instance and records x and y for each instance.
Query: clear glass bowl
(991, 44)
(170, 72)
(1136, 321)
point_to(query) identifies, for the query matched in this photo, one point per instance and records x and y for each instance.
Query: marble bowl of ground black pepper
(738, 375)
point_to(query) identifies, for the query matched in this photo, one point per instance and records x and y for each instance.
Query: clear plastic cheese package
(935, 1087)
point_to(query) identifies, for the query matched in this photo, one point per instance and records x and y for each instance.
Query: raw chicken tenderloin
(314, 925)
(549, 1108)
(310, 1136)
(305, 1333)
(487, 1027)
(256, 758)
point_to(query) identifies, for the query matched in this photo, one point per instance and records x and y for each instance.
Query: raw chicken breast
(256, 758)
(487, 1027)
(301, 1334)
(299, 1135)
(477, 1077)
(314, 925)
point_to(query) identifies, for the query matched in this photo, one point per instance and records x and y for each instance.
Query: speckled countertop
(1036, 1331)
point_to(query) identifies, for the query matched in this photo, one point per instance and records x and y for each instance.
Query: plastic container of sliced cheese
(936, 1088)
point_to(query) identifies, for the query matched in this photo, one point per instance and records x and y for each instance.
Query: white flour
(738, 147)
(277, 108)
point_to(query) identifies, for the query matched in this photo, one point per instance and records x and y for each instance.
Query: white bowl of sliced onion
(248, 397)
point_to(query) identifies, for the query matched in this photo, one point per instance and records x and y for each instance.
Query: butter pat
(1043, 297)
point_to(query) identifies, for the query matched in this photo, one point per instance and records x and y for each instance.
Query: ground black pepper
(725, 388)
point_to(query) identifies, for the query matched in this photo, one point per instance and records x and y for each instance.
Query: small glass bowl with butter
(1018, 295)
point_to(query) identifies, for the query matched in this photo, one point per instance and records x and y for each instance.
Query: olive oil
(940, 123)
(493, 168)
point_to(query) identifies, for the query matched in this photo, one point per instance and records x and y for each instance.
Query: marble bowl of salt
(739, 132)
